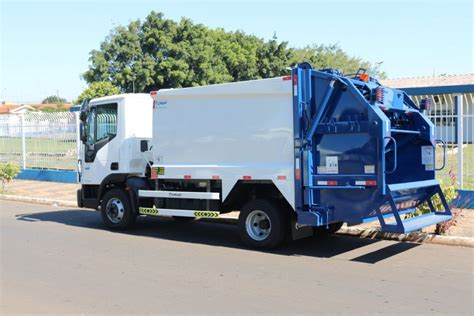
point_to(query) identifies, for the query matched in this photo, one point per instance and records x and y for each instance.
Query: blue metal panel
(66, 176)
(464, 199)
(343, 122)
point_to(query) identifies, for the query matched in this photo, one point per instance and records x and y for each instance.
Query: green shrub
(8, 171)
(449, 193)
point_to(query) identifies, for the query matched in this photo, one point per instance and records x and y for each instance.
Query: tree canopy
(162, 53)
(98, 89)
(53, 99)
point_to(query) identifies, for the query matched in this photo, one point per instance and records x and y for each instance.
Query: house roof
(15, 108)
(448, 84)
(433, 81)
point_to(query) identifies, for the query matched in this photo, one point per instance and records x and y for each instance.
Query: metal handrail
(394, 154)
(444, 154)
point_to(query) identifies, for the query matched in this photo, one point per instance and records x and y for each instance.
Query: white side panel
(137, 126)
(231, 131)
(179, 194)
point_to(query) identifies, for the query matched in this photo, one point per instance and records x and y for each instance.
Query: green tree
(332, 56)
(98, 89)
(53, 99)
(58, 108)
(162, 53)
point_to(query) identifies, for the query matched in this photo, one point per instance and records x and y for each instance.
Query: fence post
(78, 135)
(23, 140)
(460, 140)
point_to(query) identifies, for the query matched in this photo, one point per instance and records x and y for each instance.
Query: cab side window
(106, 122)
(101, 128)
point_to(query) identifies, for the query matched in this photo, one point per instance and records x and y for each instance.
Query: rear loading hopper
(362, 152)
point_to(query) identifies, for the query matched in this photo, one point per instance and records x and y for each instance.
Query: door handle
(114, 166)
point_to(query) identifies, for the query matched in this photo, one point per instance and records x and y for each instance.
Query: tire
(116, 210)
(183, 219)
(262, 224)
(324, 231)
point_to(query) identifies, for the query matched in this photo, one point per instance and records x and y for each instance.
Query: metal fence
(40, 140)
(454, 120)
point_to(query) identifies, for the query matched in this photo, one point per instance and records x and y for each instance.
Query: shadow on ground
(222, 235)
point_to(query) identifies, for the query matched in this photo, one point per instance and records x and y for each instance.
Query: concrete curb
(416, 237)
(19, 198)
(348, 231)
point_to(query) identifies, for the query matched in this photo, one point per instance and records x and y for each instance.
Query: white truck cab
(112, 130)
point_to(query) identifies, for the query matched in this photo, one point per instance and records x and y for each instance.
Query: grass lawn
(41, 152)
(452, 163)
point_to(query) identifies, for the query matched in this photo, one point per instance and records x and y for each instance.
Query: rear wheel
(327, 230)
(116, 210)
(262, 224)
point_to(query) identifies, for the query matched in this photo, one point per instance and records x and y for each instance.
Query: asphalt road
(56, 260)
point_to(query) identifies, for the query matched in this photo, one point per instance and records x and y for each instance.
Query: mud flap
(299, 231)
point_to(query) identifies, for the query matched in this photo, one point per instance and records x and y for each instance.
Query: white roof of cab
(120, 96)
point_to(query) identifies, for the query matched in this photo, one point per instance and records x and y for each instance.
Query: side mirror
(143, 145)
(83, 116)
(84, 109)
(82, 132)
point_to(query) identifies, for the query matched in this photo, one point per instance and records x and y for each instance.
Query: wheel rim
(115, 210)
(258, 225)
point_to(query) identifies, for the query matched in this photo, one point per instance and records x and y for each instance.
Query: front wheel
(116, 210)
(262, 224)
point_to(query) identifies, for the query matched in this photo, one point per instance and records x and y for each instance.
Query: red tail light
(425, 104)
(153, 174)
(379, 94)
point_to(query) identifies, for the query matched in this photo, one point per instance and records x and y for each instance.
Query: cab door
(102, 147)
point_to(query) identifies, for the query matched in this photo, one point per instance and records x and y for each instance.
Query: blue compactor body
(363, 152)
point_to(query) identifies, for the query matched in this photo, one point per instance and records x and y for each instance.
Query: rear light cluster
(366, 183)
(379, 94)
(425, 104)
(153, 174)
(371, 183)
(327, 182)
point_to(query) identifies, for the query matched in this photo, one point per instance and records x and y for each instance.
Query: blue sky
(45, 45)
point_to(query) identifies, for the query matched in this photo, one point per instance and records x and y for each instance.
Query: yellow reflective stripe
(148, 211)
(199, 214)
(206, 214)
(160, 170)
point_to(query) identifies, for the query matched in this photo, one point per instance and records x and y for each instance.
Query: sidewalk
(43, 189)
(66, 192)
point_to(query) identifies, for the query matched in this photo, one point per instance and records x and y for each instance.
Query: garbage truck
(295, 155)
